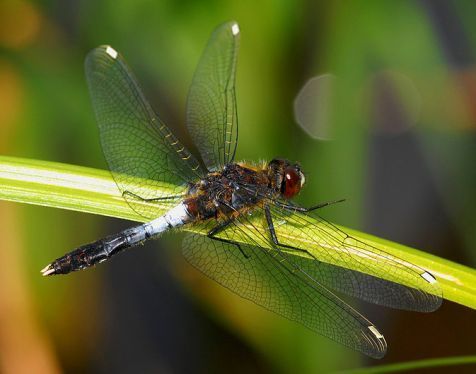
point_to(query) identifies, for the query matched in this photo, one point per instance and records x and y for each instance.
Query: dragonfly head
(286, 178)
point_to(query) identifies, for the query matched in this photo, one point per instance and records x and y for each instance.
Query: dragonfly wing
(211, 104)
(353, 267)
(267, 278)
(145, 158)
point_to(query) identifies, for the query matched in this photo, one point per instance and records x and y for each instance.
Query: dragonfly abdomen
(101, 250)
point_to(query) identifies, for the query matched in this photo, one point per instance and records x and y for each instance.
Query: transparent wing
(211, 105)
(145, 158)
(352, 267)
(270, 279)
(346, 264)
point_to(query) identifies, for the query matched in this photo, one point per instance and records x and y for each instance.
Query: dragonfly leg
(274, 237)
(152, 199)
(304, 210)
(221, 226)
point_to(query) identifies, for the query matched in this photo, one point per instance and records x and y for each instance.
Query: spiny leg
(152, 199)
(220, 227)
(274, 237)
(305, 210)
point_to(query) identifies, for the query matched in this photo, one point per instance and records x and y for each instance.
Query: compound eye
(292, 182)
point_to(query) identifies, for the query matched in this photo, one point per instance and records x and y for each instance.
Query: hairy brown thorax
(240, 186)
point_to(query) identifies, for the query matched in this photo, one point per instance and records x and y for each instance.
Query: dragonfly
(244, 229)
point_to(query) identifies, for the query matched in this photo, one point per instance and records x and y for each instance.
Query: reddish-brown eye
(291, 183)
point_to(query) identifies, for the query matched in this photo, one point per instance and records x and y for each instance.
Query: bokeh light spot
(19, 23)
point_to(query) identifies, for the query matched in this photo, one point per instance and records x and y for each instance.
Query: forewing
(353, 267)
(269, 279)
(145, 158)
(211, 105)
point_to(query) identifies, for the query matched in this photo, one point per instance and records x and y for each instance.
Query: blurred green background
(403, 152)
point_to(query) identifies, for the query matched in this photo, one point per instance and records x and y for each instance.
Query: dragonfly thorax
(239, 186)
(228, 191)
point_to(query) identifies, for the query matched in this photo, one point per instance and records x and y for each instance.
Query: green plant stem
(413, 365)
(94, 191)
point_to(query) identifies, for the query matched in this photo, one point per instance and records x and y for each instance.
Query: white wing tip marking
(111, 52)
(374, 331)
(428, 277)
(235, 29)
